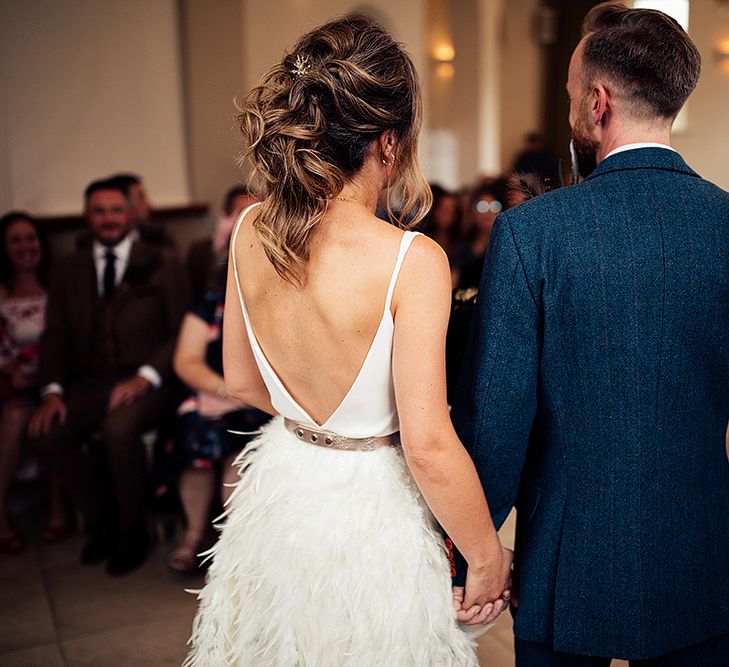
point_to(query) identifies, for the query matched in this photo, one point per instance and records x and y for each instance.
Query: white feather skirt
(327, 558)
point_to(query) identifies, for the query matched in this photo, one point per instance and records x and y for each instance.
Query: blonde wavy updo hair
(309, 126)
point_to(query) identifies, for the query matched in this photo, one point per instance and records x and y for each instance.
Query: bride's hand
(463, 615)
(477, 616)
(487, 590)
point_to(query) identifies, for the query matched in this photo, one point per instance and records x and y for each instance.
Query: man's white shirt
(632, 147)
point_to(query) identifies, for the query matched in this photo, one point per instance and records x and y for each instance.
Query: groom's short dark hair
(645, 53)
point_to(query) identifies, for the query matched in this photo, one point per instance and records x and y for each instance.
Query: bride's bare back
(317, 336)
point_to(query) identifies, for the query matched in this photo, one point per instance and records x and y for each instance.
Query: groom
(595, 393)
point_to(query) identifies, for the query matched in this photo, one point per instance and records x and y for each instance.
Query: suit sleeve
(54, 342)
(496, 400)
(174, 284)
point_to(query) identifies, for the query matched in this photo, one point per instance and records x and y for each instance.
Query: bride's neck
(365, 189)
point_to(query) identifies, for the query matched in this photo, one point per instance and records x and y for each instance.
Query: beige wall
(496, 95)
(465, 102)
(213, 77)
(440, 143)
(229, 44)
(6, 192)
(521, 78)
(89, 88)
(705, 142)
(269, 28)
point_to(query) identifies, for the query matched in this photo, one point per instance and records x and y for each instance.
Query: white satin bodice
(368, 409)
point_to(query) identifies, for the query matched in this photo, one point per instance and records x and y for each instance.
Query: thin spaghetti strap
(407, 239)
(233, 238)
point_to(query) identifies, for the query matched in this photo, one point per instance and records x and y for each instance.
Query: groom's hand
(488, 590)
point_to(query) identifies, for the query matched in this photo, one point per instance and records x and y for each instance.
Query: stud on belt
(334, 441)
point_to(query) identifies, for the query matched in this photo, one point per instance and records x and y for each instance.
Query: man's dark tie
(109, 274)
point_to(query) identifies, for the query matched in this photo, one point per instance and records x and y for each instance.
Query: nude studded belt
(333, 441)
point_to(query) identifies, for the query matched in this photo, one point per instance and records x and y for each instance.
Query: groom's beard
(586, 149)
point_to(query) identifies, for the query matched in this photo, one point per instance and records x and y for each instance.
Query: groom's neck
(617, 134)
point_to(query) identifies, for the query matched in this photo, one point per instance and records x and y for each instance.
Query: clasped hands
(54, 408)
(487, 592)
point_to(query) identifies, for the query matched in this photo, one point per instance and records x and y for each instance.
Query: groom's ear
(600, 104)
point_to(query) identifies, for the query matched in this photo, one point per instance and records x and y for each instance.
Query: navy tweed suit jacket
(594, 396)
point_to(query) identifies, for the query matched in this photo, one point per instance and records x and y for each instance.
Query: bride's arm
(242, 378)
(440, 465)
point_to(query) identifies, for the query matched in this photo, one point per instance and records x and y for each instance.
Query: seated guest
(204, 256)
(205, 446)
(23, 260)
(485, 203)
(114, 310)
(443, 223)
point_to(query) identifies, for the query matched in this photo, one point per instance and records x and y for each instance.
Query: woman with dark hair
(23, 261)
(330, 553)
(485, 202)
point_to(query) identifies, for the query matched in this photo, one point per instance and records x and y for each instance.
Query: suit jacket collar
(121, 249)
(143, 262)
(643, 158)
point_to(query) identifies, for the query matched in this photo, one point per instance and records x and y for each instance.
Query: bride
(335, 320)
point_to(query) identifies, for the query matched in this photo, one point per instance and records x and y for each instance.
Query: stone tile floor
(56, 613)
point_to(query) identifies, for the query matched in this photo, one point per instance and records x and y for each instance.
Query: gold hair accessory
(301, 65)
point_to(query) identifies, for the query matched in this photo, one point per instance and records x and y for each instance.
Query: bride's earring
(388, 162)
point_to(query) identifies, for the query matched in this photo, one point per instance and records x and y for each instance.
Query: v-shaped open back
(368, 408)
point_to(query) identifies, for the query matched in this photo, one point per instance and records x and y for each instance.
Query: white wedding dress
(329, 557)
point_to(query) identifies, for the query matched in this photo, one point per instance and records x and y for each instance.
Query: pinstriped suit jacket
(595, 398)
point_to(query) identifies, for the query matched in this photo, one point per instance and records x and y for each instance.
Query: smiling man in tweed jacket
(113, 313)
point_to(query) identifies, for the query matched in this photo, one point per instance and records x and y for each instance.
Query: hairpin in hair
(301, 65)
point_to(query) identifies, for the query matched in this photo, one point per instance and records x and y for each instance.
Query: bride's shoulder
(422, 252)
(425, 263)
(425, 253)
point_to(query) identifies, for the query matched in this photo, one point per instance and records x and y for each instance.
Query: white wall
(89, 88)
